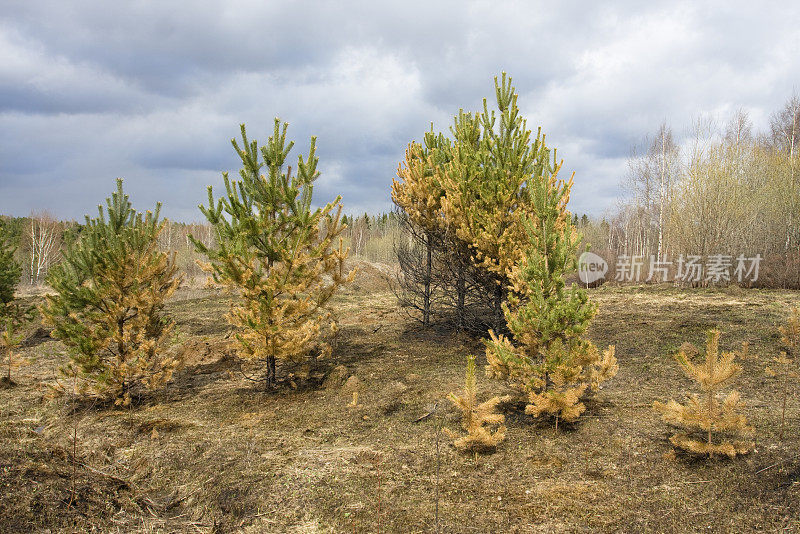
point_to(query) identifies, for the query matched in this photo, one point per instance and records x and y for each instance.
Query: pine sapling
(283, 257)
(13, 318)
(484, 426)
(13, 315)
(548, 359)
(10, 270)
(744, 352)
(9, 342)
(419, 194)
(711, 427)
(108, 305)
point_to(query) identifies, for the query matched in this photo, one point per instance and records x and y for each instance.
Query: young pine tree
(484, 426)
(471, 191)
(785, 368)
(108, 306)
(10, 271)
(278, 252)
(494, 158)
(708, 423)
(12, 315)
(485, 181)
(548, 357)
(419, 194)
(9, 342)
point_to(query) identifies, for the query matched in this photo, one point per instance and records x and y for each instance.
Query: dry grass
(211, 453)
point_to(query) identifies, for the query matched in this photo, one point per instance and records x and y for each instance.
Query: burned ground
(214, 453)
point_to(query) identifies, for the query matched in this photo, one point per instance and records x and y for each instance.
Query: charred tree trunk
(271, 381)
(426, 312)
(461, 293)
(497, 308)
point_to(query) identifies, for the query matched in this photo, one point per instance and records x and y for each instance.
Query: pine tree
(10, 340)
(108, 306)
(10, 270)
(485, 186)
(278, 252)
(419, 195)
(484, 426)
(418, 192)
(469, 191)
(548, 358)
(785, 368)
(485, 180)
(12, 315)
(703, 416)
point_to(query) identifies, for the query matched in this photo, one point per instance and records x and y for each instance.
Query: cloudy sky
(153, 91)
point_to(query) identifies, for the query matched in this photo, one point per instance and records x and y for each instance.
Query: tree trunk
(271, 381)
(426, 302)
(33, 250)
(498, 308)
(461, 296)
(661, 200)
(8, 373)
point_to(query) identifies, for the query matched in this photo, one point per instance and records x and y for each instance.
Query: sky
(153, 92)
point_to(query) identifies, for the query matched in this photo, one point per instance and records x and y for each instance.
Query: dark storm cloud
(153, 92)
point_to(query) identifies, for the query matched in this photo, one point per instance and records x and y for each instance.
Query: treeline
(728, 192)
(373, 237)
(40, 239)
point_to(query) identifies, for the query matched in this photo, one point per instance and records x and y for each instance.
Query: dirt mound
(39, 336)
(205, 352)
(205, 360)
(371, 277)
